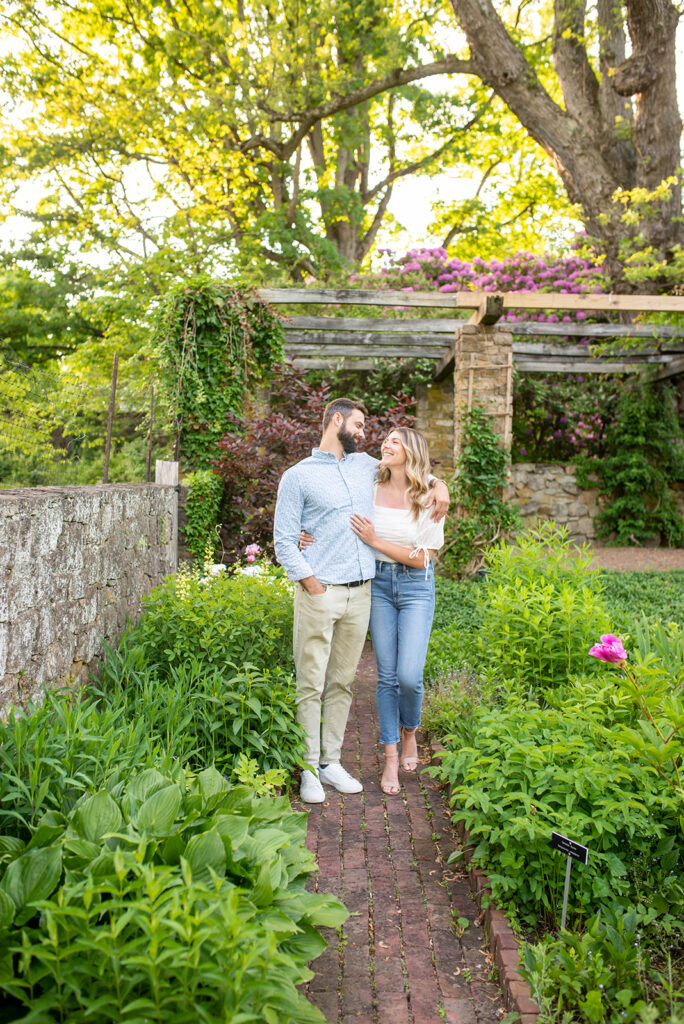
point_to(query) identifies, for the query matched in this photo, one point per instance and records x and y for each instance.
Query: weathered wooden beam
(489, 310)
(410, 325)
(445, 366)
(295, 339)
(671, 369)
(473, 299)
(384, 352)
(523, 348)
(367, 297)
(597, 301)
(575, 366)
(533, 327)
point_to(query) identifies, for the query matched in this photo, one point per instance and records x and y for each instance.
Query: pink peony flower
(610, 649)
(252, 549)
(251, 558)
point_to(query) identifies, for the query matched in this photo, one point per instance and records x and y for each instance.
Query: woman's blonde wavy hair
(417, 466)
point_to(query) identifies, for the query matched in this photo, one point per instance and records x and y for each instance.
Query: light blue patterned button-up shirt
(319, 494)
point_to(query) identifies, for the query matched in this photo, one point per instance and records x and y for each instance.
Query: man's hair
(345, 406)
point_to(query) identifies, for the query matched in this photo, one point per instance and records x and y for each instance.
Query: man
(333, 591)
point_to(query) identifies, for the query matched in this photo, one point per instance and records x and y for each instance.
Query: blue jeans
(402, 607)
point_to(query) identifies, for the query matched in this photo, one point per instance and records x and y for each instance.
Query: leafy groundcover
(541, 736)
(138, 882)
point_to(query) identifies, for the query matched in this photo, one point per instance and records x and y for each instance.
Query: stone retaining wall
(75, 562)
(550, 491)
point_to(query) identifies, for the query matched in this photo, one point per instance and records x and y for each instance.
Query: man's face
(350, 434)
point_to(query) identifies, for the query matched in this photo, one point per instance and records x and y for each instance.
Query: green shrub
(67, 746)
(165, 898)
(457, 604)
(646, 455)
(200, 715)
(219, 623)
(448, 651)
(483, 514)
(597, 976)
(205, 491)
(542, 610)
(519, 772)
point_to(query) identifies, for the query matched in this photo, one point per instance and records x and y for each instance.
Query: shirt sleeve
(430, 533)
(287, 526)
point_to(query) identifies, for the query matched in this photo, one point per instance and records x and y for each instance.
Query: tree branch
(459, 230)
(424, 161)
(308, 118)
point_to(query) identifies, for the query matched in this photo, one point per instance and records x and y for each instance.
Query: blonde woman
(405, 540)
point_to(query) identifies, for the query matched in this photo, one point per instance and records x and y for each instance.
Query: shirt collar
(316, 453)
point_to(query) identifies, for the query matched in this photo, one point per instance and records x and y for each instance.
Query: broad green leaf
(306, 945)
(50, 826)
(211, 782)
(143, 785)
(205, 851)
(262, 892)
(158, 812)
(97, 817)
(234, 827)
(11, 845)
(324, 910)
(7, 909)
(32, 876)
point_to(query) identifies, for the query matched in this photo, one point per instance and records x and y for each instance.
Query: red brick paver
(399, 959)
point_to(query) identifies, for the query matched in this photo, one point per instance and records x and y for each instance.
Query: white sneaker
(310, 789)
(336, 776)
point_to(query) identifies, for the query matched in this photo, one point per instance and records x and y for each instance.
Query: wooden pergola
(316, 341)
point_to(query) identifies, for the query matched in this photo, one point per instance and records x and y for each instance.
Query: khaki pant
(328, 637)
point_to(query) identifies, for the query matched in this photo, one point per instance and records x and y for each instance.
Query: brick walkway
(399, 958)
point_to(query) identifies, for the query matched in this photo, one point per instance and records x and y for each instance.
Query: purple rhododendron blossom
(610, 649)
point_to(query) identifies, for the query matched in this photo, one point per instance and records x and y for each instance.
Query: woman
(403, 593)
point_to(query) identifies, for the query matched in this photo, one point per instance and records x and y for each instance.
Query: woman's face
(393, 453)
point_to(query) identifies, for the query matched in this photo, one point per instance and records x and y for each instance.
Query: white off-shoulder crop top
(398, 526)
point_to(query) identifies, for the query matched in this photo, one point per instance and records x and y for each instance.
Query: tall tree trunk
(598, 141)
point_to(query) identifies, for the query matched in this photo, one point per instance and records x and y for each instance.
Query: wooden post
(110, 419)
(148, 463)
(166, 473)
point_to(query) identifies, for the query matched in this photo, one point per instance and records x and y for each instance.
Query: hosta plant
(167, 898)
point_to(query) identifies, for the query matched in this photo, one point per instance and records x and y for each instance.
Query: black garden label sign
(570, 847)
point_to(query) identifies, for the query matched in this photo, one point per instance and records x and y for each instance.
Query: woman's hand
(438, 499)
(364, 529)
(305, 540)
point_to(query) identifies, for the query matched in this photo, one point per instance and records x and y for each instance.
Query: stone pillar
(435, 420)
(483, 375)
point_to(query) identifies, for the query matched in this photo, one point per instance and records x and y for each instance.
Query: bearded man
(332, 577)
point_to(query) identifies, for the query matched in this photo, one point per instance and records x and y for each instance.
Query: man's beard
(346, 440)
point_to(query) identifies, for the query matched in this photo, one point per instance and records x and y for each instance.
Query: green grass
(657, 595)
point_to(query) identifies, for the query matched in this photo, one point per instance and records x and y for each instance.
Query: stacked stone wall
(550, 491)
(75, 563)
(435, 418)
